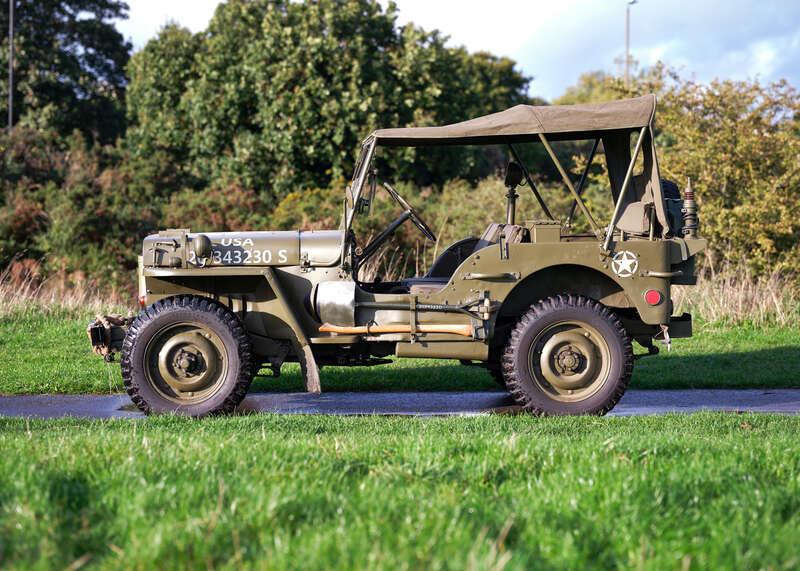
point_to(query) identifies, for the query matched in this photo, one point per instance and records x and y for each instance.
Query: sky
(555, 41)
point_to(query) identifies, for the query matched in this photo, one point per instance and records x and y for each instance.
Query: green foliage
(159, 75)
(69, 70)
(256, 121)
(83, 208)
(276, 95)
(313, 209)
(739, 143)
(215, 209)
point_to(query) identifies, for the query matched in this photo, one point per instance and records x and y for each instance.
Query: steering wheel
(415, 217)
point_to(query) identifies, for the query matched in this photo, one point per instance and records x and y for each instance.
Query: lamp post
(628, 41)
(10, 64)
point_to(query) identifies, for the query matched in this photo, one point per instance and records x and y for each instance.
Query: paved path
(786, 401)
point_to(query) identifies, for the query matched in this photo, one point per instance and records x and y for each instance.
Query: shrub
(216, 209)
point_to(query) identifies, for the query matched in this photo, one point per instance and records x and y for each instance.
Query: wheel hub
(188, 362)
(569, 360)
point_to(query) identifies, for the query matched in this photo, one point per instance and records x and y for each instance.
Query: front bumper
(106, 334)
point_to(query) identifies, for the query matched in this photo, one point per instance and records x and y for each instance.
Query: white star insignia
(625, 264)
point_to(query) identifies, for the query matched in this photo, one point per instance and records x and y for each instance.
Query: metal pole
(582, 182)
(628, 41)
(10, 64)
(623, 190)
(568, 184)
(535, 192)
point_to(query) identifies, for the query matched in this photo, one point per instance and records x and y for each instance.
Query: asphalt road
(634, 403)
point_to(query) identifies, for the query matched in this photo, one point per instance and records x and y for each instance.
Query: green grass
(702, 491)
(49, 353)
(696, 491)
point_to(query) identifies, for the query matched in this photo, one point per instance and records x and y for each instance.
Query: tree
(69, 70)
(277, 95)
(156, 105)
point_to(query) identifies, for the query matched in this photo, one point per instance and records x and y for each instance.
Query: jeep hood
(176, 248)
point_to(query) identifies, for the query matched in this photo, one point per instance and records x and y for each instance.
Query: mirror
(514, 174)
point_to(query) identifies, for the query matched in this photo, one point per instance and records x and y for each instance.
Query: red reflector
(653, 297)
(142, 301)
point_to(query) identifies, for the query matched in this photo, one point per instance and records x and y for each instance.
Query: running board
(465, 330)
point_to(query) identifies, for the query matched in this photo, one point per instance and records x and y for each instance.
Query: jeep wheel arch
(564, 278)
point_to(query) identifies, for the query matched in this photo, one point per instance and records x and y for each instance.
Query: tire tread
(515, 384)
(197, 304)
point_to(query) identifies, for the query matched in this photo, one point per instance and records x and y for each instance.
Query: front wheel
(188, 355)
(568, 354)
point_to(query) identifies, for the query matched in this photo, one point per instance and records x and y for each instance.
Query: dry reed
(23, 290)
(734, 297)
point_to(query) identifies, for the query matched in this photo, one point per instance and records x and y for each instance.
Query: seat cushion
(490, 236)
(635, 219)
(424, 285)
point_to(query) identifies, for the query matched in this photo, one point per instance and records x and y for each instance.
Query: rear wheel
(568, 355)
(188, 355)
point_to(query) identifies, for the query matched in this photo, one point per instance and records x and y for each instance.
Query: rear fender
(590, 282)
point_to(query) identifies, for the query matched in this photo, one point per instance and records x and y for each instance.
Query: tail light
(653, 297)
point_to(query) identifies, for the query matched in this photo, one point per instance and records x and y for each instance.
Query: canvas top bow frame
(612, 126)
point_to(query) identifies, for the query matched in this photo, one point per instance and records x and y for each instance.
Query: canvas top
(525, 122)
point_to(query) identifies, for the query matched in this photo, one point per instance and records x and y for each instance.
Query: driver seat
(512, 233)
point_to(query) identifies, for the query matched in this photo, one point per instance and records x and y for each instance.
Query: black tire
(550, 363)
(151, 349)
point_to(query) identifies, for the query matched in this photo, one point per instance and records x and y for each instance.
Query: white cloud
(146, 17)
(557, 41)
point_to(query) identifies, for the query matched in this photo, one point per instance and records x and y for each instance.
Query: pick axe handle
(456, 329)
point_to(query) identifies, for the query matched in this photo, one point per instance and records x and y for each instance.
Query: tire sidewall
(538, 399)
(152, 322)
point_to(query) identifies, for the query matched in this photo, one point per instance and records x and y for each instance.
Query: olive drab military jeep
(550, 312)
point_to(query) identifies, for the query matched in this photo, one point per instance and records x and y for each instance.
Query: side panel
(500, 268)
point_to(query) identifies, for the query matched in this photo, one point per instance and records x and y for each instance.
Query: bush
(216, 209)
(78, 207)
(313, 209)
(277, 95)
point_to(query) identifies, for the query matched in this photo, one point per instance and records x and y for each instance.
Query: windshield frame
(357, 182)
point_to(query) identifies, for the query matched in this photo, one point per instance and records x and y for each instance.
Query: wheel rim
(569, 360)
(186, 362)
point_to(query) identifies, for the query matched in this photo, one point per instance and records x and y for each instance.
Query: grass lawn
(696, 491)
(49, 353)
(701, 491)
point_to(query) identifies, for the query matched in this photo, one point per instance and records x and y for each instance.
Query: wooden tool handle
(455, 329)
